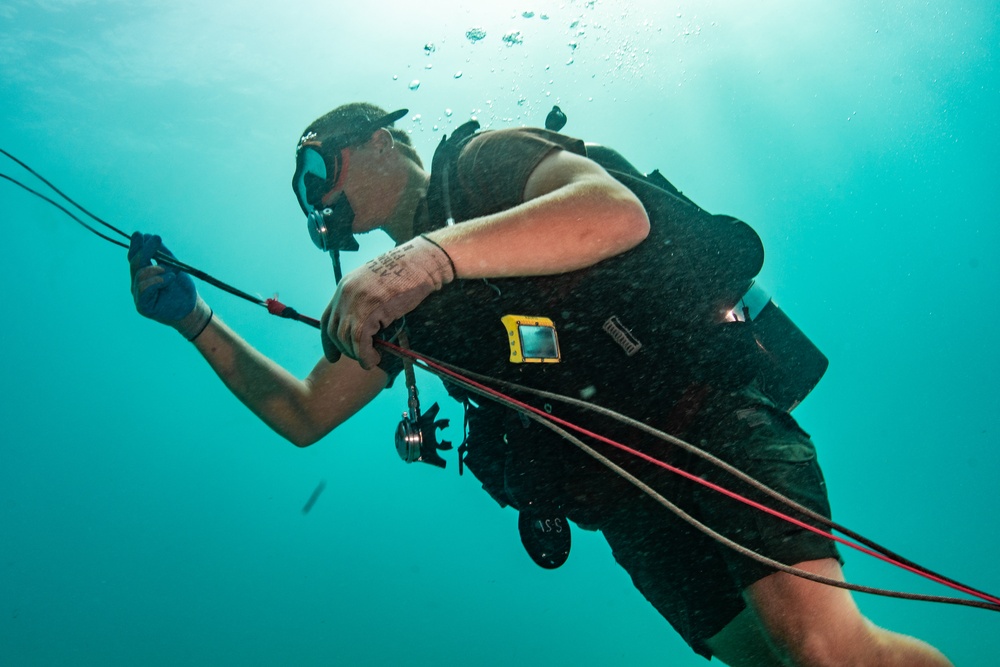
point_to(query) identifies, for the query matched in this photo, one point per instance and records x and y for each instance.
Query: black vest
(668, 294)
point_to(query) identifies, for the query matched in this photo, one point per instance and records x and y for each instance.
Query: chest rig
(635, 333)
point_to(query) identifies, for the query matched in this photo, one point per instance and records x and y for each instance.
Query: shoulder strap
(443, 166)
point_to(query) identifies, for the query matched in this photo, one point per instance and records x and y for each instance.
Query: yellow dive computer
(533, 340)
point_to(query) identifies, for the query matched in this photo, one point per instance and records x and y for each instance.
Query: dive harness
(781, 358)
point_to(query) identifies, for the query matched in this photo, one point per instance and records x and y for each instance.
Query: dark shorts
(695, 582)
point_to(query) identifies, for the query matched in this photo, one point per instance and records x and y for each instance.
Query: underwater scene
(147, 517)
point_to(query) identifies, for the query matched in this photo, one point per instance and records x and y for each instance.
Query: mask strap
(345, 160)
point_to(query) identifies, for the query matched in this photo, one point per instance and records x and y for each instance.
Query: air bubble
(414, 84)
(513, 38)
(458, 74)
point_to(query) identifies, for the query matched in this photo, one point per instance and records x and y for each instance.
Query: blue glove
(164, 293)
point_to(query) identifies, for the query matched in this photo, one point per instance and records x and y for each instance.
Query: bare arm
(574, 215)
(303, 411)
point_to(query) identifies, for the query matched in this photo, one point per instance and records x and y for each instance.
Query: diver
(521, 257)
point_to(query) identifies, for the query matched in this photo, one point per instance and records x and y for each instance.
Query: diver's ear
(382, 140)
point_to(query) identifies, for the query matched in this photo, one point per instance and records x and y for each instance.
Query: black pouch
(543, 526)
(485, 446)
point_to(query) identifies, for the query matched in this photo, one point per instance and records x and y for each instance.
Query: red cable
(691, 477)
(275, 307)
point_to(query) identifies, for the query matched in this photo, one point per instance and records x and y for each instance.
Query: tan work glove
(374, 296)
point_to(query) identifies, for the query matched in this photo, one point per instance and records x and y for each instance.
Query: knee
(843, 642)
(862, 647)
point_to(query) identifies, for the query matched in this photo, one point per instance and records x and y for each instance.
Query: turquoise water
(146, 517)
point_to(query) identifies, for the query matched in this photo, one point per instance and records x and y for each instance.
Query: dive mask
(318, 172)
(320, 169)
(321, 162)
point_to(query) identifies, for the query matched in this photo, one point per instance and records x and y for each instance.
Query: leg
(695, 595)
(819, 625)
(806, 623)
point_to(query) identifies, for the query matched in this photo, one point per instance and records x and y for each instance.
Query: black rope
(160, 257)
(981, 604)
(60, 207)
(64, 196)
(743, 550)
(717, 462)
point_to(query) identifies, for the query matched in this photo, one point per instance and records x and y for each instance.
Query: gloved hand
(163, 293)
(379, 293)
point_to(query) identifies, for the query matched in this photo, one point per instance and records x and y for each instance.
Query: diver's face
(372, 183)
